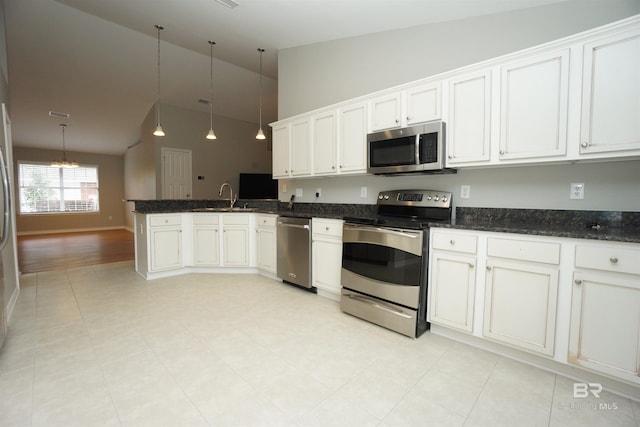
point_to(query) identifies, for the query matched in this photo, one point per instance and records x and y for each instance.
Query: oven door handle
(382, 230)
(380, 305)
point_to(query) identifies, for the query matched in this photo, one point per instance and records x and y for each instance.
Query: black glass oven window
(393, 152)
(382, 263)
(429, 147)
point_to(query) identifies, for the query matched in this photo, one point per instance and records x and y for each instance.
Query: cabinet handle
(408, 118)
(577, 282)
(471, 265)
(452, 242)
(333, 167)
(501, 152)
(340, 166)
(585, 144)
(613, 260)
(397, 121)
(326, 228)
(488, 268)
(450, 156)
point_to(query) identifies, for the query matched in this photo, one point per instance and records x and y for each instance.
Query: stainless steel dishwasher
(294, 251)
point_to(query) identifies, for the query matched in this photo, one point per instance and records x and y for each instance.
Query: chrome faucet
(232, 199)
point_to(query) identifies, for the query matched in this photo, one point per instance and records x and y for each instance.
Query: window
(49, 189)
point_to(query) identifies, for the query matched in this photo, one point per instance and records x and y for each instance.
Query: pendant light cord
(159, 28)
(261, 51)
(211, 83)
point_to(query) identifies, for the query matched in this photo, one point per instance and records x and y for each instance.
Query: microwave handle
(417, 153)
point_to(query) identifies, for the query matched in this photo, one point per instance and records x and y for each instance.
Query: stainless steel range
(385, 259)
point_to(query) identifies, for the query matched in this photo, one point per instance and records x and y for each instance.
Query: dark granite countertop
(596, 225)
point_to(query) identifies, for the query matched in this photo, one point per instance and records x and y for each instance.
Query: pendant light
(260, 134)
(64, 163)
(211, 135)
(159, 131)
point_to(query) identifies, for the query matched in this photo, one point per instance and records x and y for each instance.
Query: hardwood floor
(44, 252)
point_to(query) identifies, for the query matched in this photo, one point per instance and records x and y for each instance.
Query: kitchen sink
(223, 210)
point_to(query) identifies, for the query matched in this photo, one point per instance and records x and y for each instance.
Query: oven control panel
(420, 198)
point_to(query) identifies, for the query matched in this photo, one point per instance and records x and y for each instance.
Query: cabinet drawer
(206, 219)
(266, 220)
(608, 258)
(164, 220)
(455, 242)
(323, 227)
(524, 250)
(236, 219)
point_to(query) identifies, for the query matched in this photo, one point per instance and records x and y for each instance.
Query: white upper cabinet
(423, 103)
(416, 104)
(611, 94)
(386, 112)
(353, 138)
(301, 147)
(469, 121)
(280, 135)
(534, 107)
(325, 143)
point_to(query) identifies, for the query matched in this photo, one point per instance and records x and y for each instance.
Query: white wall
(321, 74)
(326, 73)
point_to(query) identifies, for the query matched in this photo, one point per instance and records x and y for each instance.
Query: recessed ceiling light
(228, 3)
(58, 114)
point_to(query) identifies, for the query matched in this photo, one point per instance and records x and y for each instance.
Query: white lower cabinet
(605, 312)
(564, 302)
(521, 293)
(206, 240)
(236, 240)
(165, 242)
(266, 243)
(326, 235)
(453, 280)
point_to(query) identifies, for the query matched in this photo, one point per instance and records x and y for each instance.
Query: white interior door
(176, 173)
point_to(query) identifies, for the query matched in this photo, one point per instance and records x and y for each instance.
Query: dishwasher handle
(284, 224)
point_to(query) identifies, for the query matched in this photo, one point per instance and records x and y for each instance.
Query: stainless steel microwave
(419, 148)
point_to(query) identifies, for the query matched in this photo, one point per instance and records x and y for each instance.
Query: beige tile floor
(99, 346)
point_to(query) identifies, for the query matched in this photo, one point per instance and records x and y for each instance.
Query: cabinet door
(327, 264)
(520, 305)
(301, 148)
(452, 291)
(611, 94)
(236, 246)
(266, 245)
(166, 248)
(386, 112)
(423, 103)
(469, 127)
(353, 139)
(534, 107)
(605, 324)
(206, 245)
(325, 144)
(280, 137)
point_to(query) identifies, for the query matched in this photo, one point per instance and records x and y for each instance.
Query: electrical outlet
(363, 191)
(318, 192)
(465, 191)
(298, 192)
(576, 191)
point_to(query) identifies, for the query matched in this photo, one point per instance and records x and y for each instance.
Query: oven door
(383, 262)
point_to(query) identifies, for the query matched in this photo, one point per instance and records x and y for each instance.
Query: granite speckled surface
(598, 225)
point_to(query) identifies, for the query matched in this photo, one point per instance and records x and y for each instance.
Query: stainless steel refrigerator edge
(294, 250)
(9, 288)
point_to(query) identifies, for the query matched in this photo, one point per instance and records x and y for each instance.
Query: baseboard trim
(72, 230)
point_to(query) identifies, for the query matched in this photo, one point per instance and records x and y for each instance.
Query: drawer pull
(326, 228)
(471, 265)
(488, 268)
(577, 282)
(453, 242)
(613, 260)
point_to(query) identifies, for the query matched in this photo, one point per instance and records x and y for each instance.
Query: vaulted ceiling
(96, 59)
